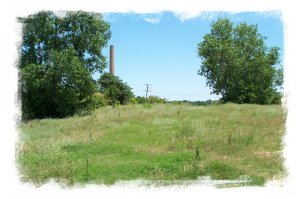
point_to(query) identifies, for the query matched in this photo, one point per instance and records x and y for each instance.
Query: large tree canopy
(86, 33)
(238, 65)
(59, 54)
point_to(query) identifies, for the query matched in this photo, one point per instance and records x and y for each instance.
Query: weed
(229, 138)
(197, 156)
(249, 139)
(90, 135)
(71, 147)
(87, 175)
(220, 170)
(178, 113)
(186, 128)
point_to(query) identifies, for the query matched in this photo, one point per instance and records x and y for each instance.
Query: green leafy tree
(115, 89)
(57, 88)
(86, 33)
(59, 54)
(238, 65)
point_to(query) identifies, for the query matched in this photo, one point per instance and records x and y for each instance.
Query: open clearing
(159, 143)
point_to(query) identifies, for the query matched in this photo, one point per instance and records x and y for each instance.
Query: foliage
(204, 103)
(133, 100)
(238, 65)
(86, 33)
(115, 89)
(91, 103)
(151, 100)
(99, 99)
(141, 100)
(56, 88)
(59, 54)
(155, 100)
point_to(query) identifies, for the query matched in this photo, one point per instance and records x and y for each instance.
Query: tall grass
(165, 142)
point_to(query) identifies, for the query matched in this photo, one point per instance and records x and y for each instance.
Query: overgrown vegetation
(163, 143)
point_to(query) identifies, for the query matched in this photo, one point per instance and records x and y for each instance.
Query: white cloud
(184, 16)
(152, 20)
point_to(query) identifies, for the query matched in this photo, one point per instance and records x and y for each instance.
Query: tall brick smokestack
(111, 60)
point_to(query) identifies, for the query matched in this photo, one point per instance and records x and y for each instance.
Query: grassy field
(158, 143)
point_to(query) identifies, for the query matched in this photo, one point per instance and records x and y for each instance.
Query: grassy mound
(165, 142)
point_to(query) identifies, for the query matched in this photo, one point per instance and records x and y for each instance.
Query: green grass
(158, 143)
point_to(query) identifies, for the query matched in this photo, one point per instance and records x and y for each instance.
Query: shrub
(151, 100)
(114, 89)
(141, 100)
(57, 88)
(98, 100)
(91, 103)
(155, 100)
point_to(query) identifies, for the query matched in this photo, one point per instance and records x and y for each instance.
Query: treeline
(102, 99)
(195, 103)
(150, 100)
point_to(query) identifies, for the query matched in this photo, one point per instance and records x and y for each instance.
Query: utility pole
(147, 89)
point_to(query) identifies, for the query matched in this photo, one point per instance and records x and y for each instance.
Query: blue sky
(161, 50)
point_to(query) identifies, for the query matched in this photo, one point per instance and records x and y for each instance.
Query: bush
(141, 100)
(98, 100)
(115, 89)
(156, 100)
(57, 88)
(151, 100)
(91, 103)
(276, 98)
(133, 100)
